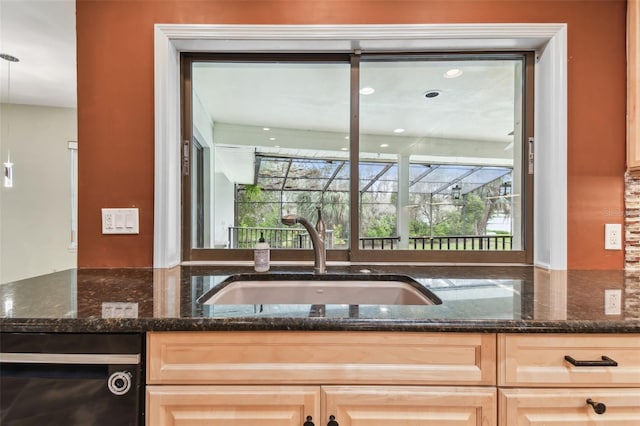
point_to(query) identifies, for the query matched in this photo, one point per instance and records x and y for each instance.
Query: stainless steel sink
(351, 289)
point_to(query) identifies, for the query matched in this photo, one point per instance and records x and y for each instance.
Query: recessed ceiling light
(367, 90)
(398, 130)
(453, 73)
(384, 145)
(346, 137)
(344, 149)
(266, 129)
(431, 93)
(272, 139)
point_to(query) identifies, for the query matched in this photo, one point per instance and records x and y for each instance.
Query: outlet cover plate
(119, 310)
(613, 236)
(120, 221)
(612, 301)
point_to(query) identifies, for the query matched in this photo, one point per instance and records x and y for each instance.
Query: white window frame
(548, 40)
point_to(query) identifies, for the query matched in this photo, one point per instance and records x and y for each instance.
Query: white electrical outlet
(612, 301)
(120, 221)
(119, 310)
(613, 236)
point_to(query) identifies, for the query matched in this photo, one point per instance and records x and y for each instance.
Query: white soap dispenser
(261, 255)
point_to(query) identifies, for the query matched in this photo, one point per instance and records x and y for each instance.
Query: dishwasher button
(119, 382)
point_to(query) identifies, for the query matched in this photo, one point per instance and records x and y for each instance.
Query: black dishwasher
(71, 379)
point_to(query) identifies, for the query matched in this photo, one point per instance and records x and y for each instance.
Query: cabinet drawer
(540, 360)
(320, 358)
(538, 407)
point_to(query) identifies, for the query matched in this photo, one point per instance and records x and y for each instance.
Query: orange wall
(116, 122)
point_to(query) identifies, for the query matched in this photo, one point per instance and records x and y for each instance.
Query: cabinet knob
(308, 422)
(332, 421)
(598, 407)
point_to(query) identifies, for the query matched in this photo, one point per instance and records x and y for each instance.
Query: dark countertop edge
(100, 325)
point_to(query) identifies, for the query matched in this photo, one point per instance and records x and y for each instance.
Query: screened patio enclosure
(448, 206)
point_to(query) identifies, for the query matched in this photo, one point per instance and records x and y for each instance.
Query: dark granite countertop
(475, 299)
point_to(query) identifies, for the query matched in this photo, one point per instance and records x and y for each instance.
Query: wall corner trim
(548, 40)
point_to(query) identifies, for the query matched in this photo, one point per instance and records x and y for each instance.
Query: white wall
(224, 209)
(35, 215)
(203, 132)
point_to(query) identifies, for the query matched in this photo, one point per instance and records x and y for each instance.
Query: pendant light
(7, 166)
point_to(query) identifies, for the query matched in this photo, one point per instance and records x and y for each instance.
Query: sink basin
(351, 289)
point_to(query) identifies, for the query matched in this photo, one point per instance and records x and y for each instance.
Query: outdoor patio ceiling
(275, 173)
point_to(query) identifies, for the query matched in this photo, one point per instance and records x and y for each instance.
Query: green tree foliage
(261, 208)
(335, 213)
(418, 228)
(438, 214)
(472, 215)
(382, 226)
(257, 208)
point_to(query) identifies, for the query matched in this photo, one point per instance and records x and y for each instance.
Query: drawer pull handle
(308, 422)
(598, 407)
(332, 421)
(604, 362)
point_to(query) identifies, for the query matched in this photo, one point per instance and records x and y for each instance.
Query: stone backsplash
(632, 222)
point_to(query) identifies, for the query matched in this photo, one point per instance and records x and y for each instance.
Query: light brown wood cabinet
(269, 378)
(268, 405)
(293, 357)
(390, 378)
(232, 405)
(409, 405)
(572, 380)
(538, 407)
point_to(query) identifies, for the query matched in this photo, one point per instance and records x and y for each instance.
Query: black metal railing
(381, 243)
(457, 242)
(247, 237)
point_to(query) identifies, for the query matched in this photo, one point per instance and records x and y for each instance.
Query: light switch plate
(120, 221)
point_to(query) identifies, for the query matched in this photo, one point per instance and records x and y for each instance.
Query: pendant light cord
(8, 111)
(9, 59)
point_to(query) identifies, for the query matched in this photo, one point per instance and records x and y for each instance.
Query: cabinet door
(409, 406)
(569, 407)
(232, 405)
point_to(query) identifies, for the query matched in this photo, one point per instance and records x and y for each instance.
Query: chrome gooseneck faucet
(317, 235)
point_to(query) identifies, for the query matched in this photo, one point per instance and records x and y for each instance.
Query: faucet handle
(320, 227)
